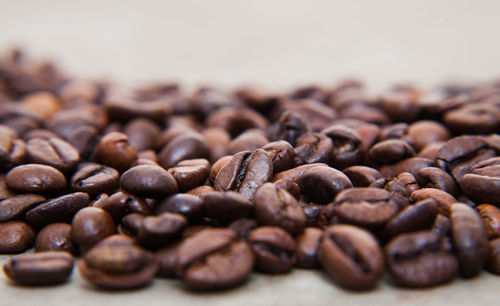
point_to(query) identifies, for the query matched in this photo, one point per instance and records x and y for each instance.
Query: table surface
(277, 45)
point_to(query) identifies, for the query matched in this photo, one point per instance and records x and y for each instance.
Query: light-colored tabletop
(276, 45)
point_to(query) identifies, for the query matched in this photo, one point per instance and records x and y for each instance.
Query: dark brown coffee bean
(315, 113)
(148, 181)
(15, 208)
(53, 152)
(142, 134)
(390, 151)
(307, 248)
(491, 218)
(442, 225)
(61, 209)
(188, 145)
(405, 180)
(401, 105)
(351, 256)
(290, 186)
(185, 204)
(56, 237)
(413, 218)
(243, 227)
(207, 100)
(362, 176)
(347, 146)
(459, 149)
(91, 225)
(245, 173)
(482, 184)
(235, 121)
(277, 207)
(115, 150)
(321, 184)
(84, 139)
(366, 113)
(314, 148)
(44, 268)
(35, 178)
(122, 108)
(116, 263)
(477, 118)
(5, 192)
(411, 165)
(494, 257)
(366, 207)
(444, 199)
(12, 150)
(282, 155)
(227, 206)
(424, 132)
(290, 126)
(95, 179)
(431, 150)
(249, 140)
(166, 258)
(420, 260)
(274, 249)
(15, 237)
(432, 177)
(470, 239)
(130, 224)
(217, 141)
(158, 231)
(214, 259)
(190, 173)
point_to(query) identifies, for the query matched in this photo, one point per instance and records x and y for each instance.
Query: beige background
(275, 44)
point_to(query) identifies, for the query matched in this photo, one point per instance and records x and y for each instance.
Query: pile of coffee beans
(209, 186)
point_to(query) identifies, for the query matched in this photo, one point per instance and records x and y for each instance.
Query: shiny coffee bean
(227, 206)
(53, 152)
(420, 260)
(166, 258)
(157, 231)
(36, 178)
(390, 151)
(459, 149)
(432, 177)
(470, 239)
(217, 141)
(274, 249)
(351, 256)
(192, 207)
(491, 218)
(347, 147)
(190, 173)
(444, 199)
(44, 268)
(482, 184)
(12, 150)
(243, 227)
(314, 148)
(130, 224)
(56, 237)
(425, 132)
(307, 248)
(362, 176)
(290, 186)
(442, 225)
(321, 184)
(148, 181)
(91, 225)
(142, 134)
(413, 218)
(477, 118)
(290, 127)
(235, 121)
(114, 150)
(15, 208)
(15, 237)
(249, 140)
(411, 165)
(282, 155)
(188, 145)
(95, 179)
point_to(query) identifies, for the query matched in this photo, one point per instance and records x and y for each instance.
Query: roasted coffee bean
(282, 154)
(321, 184)
(5, 193)
(478, 118)
(142, 134)
(401, 105)
(494, 257)
(425, 132)
(366, 113)
(290, 186)
(404, 179)
(420, 260)
(214, 170)
(307, 248)
(245, 173)
(249, 140)
(274, 249)
(190, 173)
(56, 237)
(95, 179)
(227, 206)
(130, 224)
(192, 207)
(482, 184)
(15, 237)
(444, 199)
(123, 108)
(217, 141)
(351, 256)
(314, 148)
(290, 127)
(44, 268)
(316, 114)
(243, 227)
(459, 149)
(188, 145)
(158, 231)
(390, 152)
(214, 259)
(347, 147)
(419, 216)
(84, 139)
(148, 181)
(256, 99)
(114, 150)
(362, 176)
(35, 178)
(91, 225)
(12, 150)
(432, 177)
(442, 225)
(53, 152)
(470, 239)
(431, 150)
(235, 121)
(411, 165)
(15, 208)
(277, 207)
(61, 209)
(116, 263)
(491, 218)
(366, 207)
(315, 214)
(166, 258)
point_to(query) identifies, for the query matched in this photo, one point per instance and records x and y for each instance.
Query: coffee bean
(5, 193)
(130, 224)
(53, 152)
(56, 237)
(15, 237)
(148, 181)
(12, 150)
(307, 248)
(314, 148)
(95, 179)
(420, 260)
(425, 132)
(35, 178)
(214, 259)
(415, 217)
(44, 268)
(277, 207)
(321, 184)
(116, 263)
(91, 225)
(351, 256)
(227, 206)
(432, 177)
(217, 141)
(114, 150)
(188, 145)
(123, 108)
(444, 199)
(190, 173)
(316, 114)
(61, 209)
(291, 187)
(290, 127)
(185, 204)
(390, 152)
(362, 176)
(411, 165)
(158, 231)
(274, 249)
(494, 257)
(282, 155)
(478, 118)
(249, 140)
(347, 147)
(84, 139)
(459, 149)
(142, 134)
(442, 225)
(166, 258)
(401, 105)
(243, 227)
(235, 121)
(482, 184)
(491, 218)
(15, 208)
(245, 173)
(470, 239)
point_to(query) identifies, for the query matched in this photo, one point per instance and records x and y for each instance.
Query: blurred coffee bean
(36, 178)
(188, 145)
(148, 181)
(95, 179)
(60, 209)
(15, 207)
(226, 206)
(91, 225)
(15, 237)
(53, 152)
(307, 248)
(274, 249)
(115, 150)
(56, 237)
(190, 173)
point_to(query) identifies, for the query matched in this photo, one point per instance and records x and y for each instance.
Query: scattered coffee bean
(15, 237)
(148, 181)
(35, 178)
(56, 237)
(91, 225)
(274, 249)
